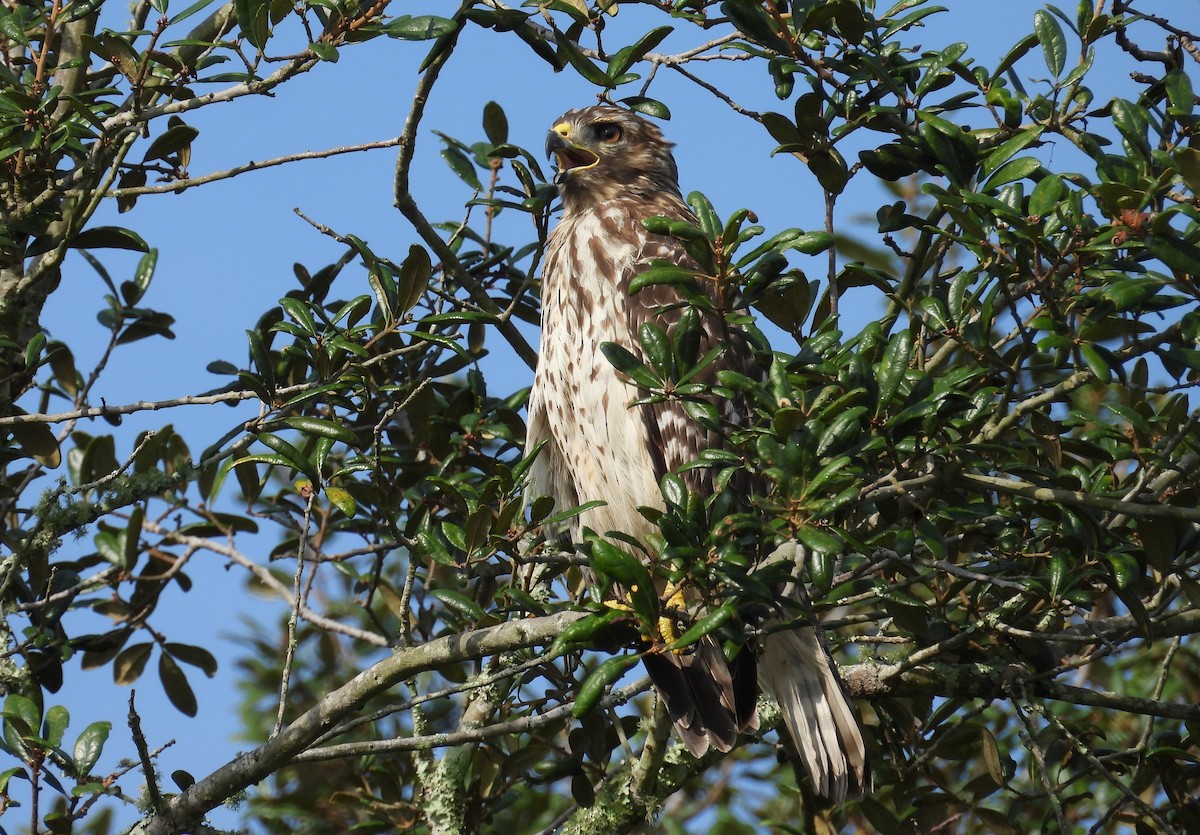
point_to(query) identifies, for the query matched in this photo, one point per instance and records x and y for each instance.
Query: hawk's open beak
(567, 155)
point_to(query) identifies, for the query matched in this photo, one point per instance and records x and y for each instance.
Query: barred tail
(709, 700)
(795, 668)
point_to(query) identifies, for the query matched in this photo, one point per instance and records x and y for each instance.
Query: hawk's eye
(609, 132)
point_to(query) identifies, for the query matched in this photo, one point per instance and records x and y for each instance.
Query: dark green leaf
(1004, 152)
(110, 237)
(630, 55)
(495, 123)
(461, 165)
(176, 686)
(582, 64)
(651, 107)
(325, 51)
(892, 367)
(129, 664)
(89, 746)
(1176, 253)
(419, 28)
(459, 603)
(1046, 195)
(818, 540)
(171, 141)
(254, 21)
(711, 622)
(295, 458)
(1054, 43)
(196, 656)
(598, 681)
(582, 632)
(37, 441)
(321, 427)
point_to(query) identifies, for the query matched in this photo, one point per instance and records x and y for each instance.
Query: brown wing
(709, 699)
(678, 440)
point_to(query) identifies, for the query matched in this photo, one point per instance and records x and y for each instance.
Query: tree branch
(188, 808)
(408, 207)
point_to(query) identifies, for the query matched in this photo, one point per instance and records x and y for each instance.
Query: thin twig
(188, 182)
(139, 742)
(427, 742)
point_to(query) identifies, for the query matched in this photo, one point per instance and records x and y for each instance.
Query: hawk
(615, 170)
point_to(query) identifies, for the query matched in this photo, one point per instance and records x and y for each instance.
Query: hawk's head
(605, 151)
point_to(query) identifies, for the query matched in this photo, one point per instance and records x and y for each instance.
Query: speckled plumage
(615, 171)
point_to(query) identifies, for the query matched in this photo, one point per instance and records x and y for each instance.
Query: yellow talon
(675, 602)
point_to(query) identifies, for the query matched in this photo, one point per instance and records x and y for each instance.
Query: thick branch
(187, 809)
(408, 207)
(1058, 495)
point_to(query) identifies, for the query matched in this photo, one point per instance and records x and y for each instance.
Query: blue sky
(226, 254)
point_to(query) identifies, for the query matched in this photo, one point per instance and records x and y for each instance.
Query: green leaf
(1054, 43)
(598, 681)
(1131, 121)
(89, 746)
(413, 278)
(818, 540)
(991, 756)
(1012, 171)
(325, 51)
(1179, 255)
(582, 632)
(651, 107)
(37, 441)
(109, 237)
(254, 21)
(630, 55)
(812, 243)
(673, 490)
(627, 571)
(176, 686)
(419, 28)
(342, 500)
(171, 141)
(665, 274)
(706, 216)
(196, 656)
(582, 64)
(814, 485)
(1006, 150)
(130, 662)
(630, 365)
(142, 277)
(295, 458)
(1015, 54)
(1188, 160)
(1180, 95)
(891, 369)
(26, 713)
(55, 725)
(1097, 360)
(186, 13)
(431, 545)
(841, 428)
(462, 166)
(321, 427)
(460, 603)
(300, 314)
(261, 359)
(753, 21)
(657, 347)
(1046, 195)
(495, 123)
(711, 622)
